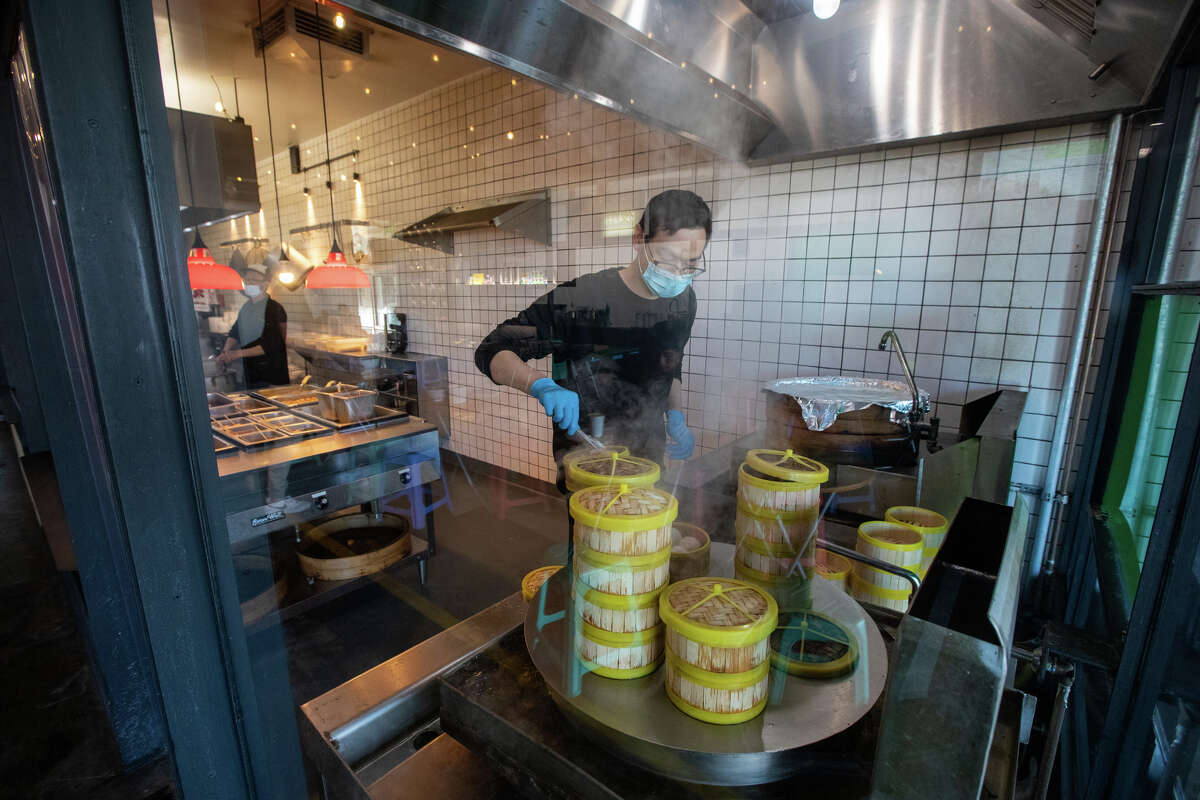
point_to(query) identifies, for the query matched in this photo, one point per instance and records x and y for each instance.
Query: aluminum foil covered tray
(822, 398)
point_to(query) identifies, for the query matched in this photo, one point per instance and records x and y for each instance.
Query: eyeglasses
(672, 260)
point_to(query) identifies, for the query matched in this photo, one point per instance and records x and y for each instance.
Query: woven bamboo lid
(811, 645)
(610, 466)
(718, 611)
(624, 508)
(786, 465)
(922, 519)
(832, 565)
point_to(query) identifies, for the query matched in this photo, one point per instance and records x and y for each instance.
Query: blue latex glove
(682, 441)
(562, 405)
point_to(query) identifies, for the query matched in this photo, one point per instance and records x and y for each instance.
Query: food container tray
(222, 446)
(248, 404)
(220, 406)
(289, 396)
(380, 416)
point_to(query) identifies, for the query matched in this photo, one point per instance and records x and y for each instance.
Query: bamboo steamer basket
(891, 542)
(608, 467)
(780, 482)
(776, 558)
(717, 624)
(895, 599)
(932, 526)
(617, 613)
(690, 563)
(719, 698)
(623, 520)
(812, 645)
(534, 579)
(791, 592)
(623, 656)
(832, 567)
(329, 551)
(775, 527)
(623, 575)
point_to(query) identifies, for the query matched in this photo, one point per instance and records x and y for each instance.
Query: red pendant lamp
(335, 273)
(205, 273)
(203, 270)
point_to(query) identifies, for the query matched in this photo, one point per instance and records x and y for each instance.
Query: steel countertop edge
(337, 441)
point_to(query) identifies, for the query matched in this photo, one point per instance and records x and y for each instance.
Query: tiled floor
(57, 739)
(480, 559)
(56, 735)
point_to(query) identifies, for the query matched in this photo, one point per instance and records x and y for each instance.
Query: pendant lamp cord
(270, 131)
(179, 96)
(325, 116)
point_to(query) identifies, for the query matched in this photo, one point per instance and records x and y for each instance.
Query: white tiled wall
(970, 249)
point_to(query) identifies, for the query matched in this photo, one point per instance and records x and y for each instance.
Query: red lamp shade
(205, 273)
(335, 273)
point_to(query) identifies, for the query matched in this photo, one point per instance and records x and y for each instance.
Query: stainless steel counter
(250, 460)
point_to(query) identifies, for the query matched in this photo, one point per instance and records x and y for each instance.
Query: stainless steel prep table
(380, 370)
(324, 474)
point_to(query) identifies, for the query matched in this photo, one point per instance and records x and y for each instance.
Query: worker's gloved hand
(562, 405)
(682, 441)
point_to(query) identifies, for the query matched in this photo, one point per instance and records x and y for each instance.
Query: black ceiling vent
(301, 27)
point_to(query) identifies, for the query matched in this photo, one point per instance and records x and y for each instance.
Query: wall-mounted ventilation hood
(527, 214)
(219, 159)
(765, 80)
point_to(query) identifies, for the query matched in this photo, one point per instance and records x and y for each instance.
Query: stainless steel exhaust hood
(765, 80)
(219, 162)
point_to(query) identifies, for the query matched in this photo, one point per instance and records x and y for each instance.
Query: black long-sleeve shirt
(266, 330)
(618, 351)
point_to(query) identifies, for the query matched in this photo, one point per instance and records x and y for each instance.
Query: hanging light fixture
(203, 270)
(335, 273)
(285, 272)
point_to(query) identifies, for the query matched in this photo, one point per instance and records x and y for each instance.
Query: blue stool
(417, 507)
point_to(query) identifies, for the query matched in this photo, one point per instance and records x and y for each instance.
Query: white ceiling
(214, 44)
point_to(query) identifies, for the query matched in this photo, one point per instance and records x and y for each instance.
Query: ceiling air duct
(290, 33)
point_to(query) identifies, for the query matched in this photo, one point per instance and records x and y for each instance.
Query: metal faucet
(914, 413)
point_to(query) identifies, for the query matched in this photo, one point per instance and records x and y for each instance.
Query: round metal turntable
(635, 719)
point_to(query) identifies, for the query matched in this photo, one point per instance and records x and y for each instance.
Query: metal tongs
(590, 441)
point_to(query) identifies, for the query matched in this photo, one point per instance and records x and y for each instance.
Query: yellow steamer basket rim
(623, 523)
(617, 602)
(858, 584)
(612, 639)
(787, 465)
(721, 590)
(746, 572)
(541, 575)
(616, 562)
(603, 466)
(904, 515)
(871, 530)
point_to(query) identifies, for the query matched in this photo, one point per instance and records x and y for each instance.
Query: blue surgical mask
(663, 282)
(251, 291)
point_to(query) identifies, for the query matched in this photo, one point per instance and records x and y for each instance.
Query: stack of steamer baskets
(718, 647)
(931, 525)
(896, 544)
(622, 563)
(611, 466)
(779, 495)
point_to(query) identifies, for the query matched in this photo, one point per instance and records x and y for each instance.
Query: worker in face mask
(616, 336)
(262, 327)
